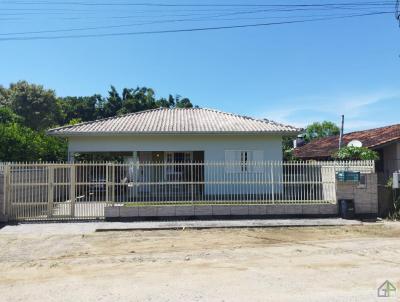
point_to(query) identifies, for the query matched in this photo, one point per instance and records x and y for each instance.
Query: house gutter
(71, 134)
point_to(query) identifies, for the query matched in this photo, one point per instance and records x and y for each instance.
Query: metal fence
(83, 190)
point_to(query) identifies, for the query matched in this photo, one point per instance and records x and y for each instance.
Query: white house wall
(214, 147)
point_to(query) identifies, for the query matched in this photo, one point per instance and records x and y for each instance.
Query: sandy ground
(260, 264)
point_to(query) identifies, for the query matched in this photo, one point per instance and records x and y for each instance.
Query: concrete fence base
(220, 211)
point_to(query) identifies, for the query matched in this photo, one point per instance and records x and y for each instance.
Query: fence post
(6, 192)
(107, 183)
(192, 179)
(50, 190)
(72, 190)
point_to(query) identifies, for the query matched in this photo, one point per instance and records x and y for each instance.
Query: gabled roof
(175, 121)
(326, 147)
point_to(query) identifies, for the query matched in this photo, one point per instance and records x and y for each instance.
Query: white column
(71, 157)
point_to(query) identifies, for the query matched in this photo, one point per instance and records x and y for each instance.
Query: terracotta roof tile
(326, 147)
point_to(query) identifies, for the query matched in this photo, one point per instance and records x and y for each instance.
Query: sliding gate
(55, 191)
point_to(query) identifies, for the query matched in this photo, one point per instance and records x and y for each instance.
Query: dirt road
(270, 264)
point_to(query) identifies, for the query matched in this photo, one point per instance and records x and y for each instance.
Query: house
(384, 140)
(178, 136)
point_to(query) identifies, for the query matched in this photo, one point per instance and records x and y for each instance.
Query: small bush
(356, 153)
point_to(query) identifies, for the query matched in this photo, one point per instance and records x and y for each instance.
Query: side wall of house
(391, 160)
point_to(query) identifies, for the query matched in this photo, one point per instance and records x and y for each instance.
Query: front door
(177, 172)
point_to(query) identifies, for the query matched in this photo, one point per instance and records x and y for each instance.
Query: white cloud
(305, 110)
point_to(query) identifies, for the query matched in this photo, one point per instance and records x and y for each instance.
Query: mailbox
(348, 176)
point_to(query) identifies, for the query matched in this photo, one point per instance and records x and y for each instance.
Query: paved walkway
(90, 227)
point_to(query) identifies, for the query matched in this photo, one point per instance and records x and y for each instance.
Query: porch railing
(83, 190)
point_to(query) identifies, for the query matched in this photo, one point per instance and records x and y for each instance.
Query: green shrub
(356, 153)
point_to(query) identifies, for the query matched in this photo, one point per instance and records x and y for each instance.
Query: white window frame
(239, 161)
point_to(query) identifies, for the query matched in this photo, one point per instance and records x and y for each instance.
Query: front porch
(143, 175)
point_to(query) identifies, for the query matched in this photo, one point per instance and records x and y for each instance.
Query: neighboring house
(179, 136)
(384, 140)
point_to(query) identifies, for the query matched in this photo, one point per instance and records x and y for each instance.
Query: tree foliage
(319, 130)
(20, 143)
(8, 116)
(37, 106)
(356, 153)
(28, 110)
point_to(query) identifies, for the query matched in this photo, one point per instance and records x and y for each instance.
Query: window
(244, 161)
(237, 161)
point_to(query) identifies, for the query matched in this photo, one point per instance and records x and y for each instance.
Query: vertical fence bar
(72, 189)
(113, 183)
(50, 190)
(107, 178)
(192, 180)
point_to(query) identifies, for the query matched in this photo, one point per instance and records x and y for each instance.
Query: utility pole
(341, 133)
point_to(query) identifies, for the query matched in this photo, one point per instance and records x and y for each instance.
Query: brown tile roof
(326, 147)
(174, 121)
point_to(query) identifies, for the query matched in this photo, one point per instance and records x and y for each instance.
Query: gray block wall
(365, 196)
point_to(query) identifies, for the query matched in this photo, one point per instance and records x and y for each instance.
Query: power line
(276, 10)
(213, 18)
(188, 29)
(83, 3)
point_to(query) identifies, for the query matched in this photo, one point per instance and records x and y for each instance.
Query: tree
(4, 96)
(37, 106)
(20, 143)
(138, 99)
(7, 116)
(319, 130)
(113, 103)
(184, 103)
(84, 108)
(356, 153)
(287, 146)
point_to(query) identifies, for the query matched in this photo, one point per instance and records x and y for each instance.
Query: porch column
(71, 157)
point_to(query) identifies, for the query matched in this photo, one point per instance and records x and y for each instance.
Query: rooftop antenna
(341, 133)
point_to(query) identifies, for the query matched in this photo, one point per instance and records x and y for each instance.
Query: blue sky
(297, 74)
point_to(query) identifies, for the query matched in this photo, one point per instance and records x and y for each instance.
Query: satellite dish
(354, 143)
